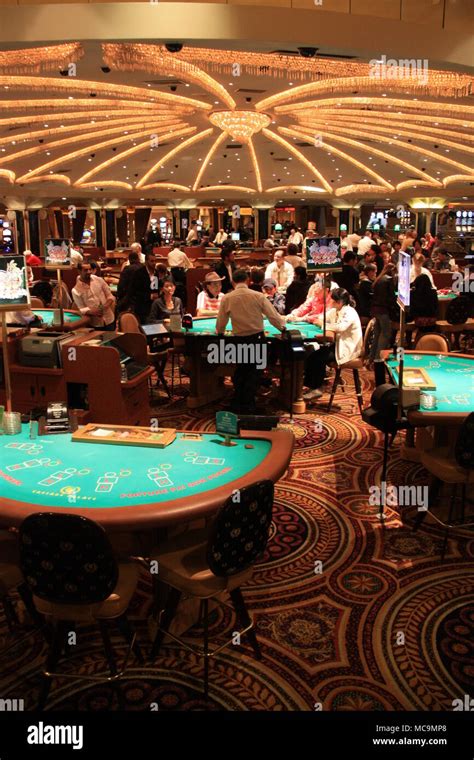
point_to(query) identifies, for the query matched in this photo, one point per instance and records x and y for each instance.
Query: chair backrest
(368, 337)
(432, 342)
(464, 448)
(128, 323)
(61, 297)
(36, 303)
(67, 559)
(239, 533)
(458, 311)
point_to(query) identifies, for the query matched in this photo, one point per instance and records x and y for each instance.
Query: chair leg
(445, 543)
(337, 378)
(125, 629)
(168, 615)
(242, 614)
(206, 648)
(108, 649)
(358, 389)
(27, 599)
(172, 374)
(10, 613)
(51, 662)
(463, 501)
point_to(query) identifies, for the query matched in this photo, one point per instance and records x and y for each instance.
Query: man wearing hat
(276, 299)
(210, 297)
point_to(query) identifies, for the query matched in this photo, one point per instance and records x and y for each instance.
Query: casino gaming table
(444, 299)
(133, 487)
(453, 376)
(207, 380)
(72, 319)
(207, 326)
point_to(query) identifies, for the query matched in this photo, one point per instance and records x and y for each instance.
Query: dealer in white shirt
(280, 271)
(178, 258)
(94, 298)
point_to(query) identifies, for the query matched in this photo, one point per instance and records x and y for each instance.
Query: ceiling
(133, 122)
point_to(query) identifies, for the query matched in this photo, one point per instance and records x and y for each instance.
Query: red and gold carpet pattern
(351, 615)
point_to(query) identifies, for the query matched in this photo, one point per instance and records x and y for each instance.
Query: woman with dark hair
(167, 303)
(423, 303)
(257, 276)
(383, 303)
(344, 322)
(379, 259)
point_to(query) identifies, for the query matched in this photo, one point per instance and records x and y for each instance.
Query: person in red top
(31, 259)
(311, 310)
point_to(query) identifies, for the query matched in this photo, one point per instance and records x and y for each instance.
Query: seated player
(292, 256)
(344, 322)
(167, 303)
(312, 308)
(418, 267)
(297, 291)
(210, 298)
(277, 300)
(365, 291)
(257, 277)
(25, 317)
(423, 303)
(31, 259)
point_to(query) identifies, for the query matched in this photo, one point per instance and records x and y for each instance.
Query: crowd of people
(364, 288)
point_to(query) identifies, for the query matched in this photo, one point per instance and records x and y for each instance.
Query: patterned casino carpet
(330, 639)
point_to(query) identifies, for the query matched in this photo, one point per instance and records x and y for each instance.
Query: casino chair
(205, 564)
(355, 365)
(455, 468)
(68, 564)
(382, 414)
(11, 579)
(128, 323)
(432, 342)
(36, 303)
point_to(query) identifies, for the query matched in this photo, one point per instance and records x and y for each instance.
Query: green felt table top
(48, 314)
(452, 375)
(207, 326)
(53, 471)
(447, 296)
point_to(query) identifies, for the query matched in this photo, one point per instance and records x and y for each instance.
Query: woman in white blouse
(344, 322)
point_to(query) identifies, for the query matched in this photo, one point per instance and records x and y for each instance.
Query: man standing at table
(94, 298)
(246, 310)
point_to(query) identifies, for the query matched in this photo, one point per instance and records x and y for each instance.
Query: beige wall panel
(423, 12)
(275, 3)
(460, 16)
(380, 8)
(336, 6)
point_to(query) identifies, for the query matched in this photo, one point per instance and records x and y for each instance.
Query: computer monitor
(235, 236)
(154, 329)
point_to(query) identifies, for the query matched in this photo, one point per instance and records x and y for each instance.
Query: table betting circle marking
(159, 476)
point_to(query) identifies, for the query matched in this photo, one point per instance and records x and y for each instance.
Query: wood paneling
(380, 8)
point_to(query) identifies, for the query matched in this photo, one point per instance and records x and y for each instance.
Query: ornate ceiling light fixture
(240, 125)
(35, 60)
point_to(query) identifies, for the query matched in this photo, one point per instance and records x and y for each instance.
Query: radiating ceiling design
(136, 120)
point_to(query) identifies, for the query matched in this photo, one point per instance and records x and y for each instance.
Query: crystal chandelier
(241, 125)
